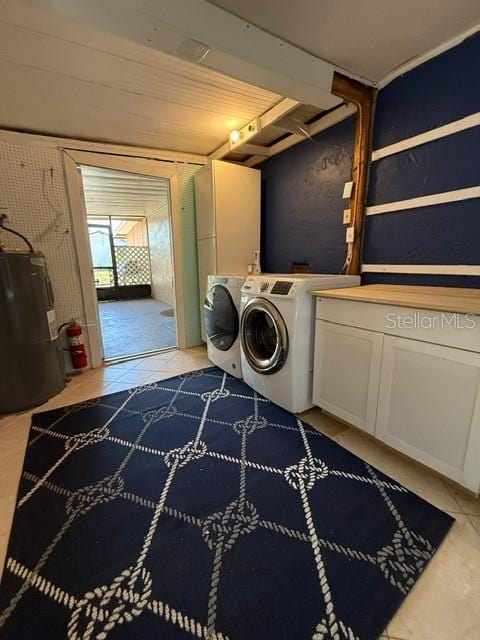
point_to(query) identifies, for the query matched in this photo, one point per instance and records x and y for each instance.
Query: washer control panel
(281, 287)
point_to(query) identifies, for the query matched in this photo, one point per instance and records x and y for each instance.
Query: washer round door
(264, 336)
(220, 317)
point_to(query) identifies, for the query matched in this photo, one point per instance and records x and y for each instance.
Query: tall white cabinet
(227, 198)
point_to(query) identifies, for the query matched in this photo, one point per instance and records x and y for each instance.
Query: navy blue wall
(440, 91)
(302, 187)
(302, 206)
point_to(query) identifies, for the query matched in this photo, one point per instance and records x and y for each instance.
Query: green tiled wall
(189, 252)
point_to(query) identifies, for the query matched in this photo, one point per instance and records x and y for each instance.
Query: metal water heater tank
(31, 361)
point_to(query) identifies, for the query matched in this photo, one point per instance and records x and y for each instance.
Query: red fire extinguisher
(76, 345)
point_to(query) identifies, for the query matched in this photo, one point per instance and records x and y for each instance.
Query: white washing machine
(221, 317)
(277, 334)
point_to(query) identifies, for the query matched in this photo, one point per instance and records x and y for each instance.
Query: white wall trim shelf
(425, 201)
(428, 269)
(473, 120)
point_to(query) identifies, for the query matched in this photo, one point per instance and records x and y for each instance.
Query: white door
(346, 372)
(428, 406)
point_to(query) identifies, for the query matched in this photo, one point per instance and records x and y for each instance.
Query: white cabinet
(227, 199)
(347, 372)
(415, 386)
(428, 405)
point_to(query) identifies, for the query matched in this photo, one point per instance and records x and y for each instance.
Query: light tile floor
(444, 604)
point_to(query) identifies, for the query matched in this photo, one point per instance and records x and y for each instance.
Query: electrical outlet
(347, 190)
(347, 216)
(349, 235)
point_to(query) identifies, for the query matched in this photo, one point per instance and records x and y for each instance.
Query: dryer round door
(220, 317)
(264, 336)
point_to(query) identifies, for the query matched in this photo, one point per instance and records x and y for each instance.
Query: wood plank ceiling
(60, 78)
(118, 193)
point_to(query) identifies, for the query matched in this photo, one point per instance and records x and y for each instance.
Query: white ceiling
(117, 193)
(366, 37)
(60, 78)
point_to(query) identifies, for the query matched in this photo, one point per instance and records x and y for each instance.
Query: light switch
(347, 190)
(347, 216)
(350, 234)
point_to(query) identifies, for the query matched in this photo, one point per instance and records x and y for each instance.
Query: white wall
(137, 236)
(32, 189)
(159, 239)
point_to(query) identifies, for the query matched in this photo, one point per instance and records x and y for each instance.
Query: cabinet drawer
(449, 329)
(346, 372)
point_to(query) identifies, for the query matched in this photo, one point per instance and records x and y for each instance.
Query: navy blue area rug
(195, 508)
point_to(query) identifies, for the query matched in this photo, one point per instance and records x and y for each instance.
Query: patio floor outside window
(147, 324)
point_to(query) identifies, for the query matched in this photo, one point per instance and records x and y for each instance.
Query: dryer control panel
(266, 286)
(281, 287)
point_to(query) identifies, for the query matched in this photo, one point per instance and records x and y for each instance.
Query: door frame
(72, 159)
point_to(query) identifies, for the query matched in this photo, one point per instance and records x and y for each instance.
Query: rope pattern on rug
(81, 510)
(157, 607)
(99, 611)
(193, 520)
(134, 580)
(329, 627)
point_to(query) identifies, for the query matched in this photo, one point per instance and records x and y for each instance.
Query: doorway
(129, 240)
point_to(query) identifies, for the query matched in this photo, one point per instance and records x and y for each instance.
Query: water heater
(31, 362)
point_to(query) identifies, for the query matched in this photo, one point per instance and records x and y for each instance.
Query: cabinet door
(346, 372)
(237, 215)
(428, 406)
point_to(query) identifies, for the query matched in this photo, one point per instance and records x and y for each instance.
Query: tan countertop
(448, 299)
